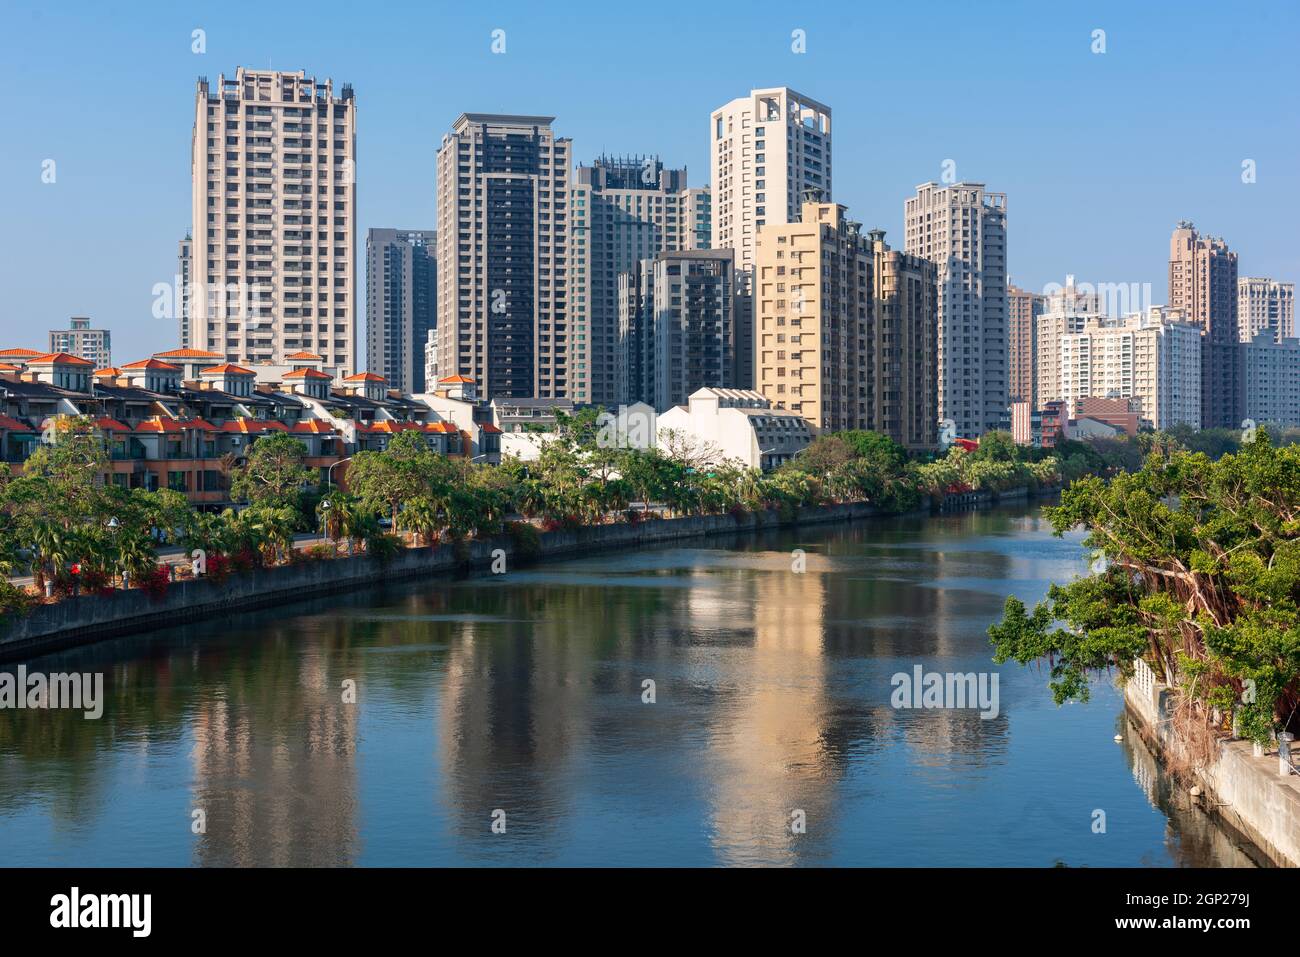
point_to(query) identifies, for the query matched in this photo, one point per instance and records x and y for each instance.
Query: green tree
(274, 474)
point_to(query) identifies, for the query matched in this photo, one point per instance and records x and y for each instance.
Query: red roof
(187, 354)
(106, 424)
(441, 427)
(306, 355)
(489, 428)
(306, 374)
(203, 424)
(151, 364)
(13, 425)
(159, 424)
(389, 426)
(60, 358)
(457, 378)
(9, 367)
(245, 426)
(19, 352)
(314, 426)
(111, 372)
(365, 377)
(227, 368)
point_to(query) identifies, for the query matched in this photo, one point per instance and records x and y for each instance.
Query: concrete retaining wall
(1243, 792)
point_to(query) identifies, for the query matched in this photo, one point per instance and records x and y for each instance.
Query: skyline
(1040, 85)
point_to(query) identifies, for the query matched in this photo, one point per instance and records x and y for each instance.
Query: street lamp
(329, 472)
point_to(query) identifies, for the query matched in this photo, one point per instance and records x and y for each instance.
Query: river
(507, 719)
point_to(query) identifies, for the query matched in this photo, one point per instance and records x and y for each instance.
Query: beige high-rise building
(1023, 309)
(767, 150)
(1065, 311)
(1143, 357)
(273, 257)
(813, 295)
(1203, 287)
(622, 210)
(963, 230)
(1265, 304)
(503, 203)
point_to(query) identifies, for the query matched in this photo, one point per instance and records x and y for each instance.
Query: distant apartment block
(401, 303)
(901, 373)
(273, 258)
(622, 210)
(1142, 357)
(676, 327)
(963, 230)
(503, 201)
(1203, 287)
(1065, 310)
(1023, 309)
(184, 281)
(1265, 304)
(83, 342)
(1272, 371)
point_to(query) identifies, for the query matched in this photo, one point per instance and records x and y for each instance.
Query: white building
(1272, 377)
(741, 424)
(1265, 304)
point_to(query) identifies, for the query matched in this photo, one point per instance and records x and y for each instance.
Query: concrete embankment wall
(1245, 793)
(85, 619)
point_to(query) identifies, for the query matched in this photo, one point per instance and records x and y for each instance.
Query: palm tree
(424, 518)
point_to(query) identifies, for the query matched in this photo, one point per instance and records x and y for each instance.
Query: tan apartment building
(1265, 304)
(812, 301)
(83, 342)
(273, 255)
(963, 230)
(1023, 309)
(1203, 287)
(766, 150)
(622, 210)
(503, 202)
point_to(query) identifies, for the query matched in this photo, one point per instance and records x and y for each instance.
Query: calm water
(523, 693)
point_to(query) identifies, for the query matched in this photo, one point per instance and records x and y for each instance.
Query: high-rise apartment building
(901, 347)
(95, 345)
(676, 327)
(1271, 368)
(1023, 309)
(273, 257)
(1203, 287)
(503, 201)
(813, 296)
(1144, 357)
(1265, 304)
(621, 211)
(1065, 310)
(767, 150)
(963, 230)
(401, 303)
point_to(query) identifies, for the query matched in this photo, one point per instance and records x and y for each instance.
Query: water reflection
(524, 694)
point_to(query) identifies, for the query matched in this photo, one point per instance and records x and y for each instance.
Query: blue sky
(1099, 154)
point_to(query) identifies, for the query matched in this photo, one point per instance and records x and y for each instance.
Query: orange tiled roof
(151, 364)
(59, 358)
(306, 355)
(187, 354)
(9, 367)
(246, 426)
(389, 426)
(489, 428)
(109, 372)
(197, 423)
(457, 378)
(314, 426)
(14, 425)
(110, 425)
(441, 427)
(19, 352)
(227, 368)
(158, 424)
(365, 377)
(306, 374)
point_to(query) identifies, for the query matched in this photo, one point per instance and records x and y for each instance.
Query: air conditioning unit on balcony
(235, 440)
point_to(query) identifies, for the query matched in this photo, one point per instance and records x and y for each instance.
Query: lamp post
(325, 518)
(113, 525)
(329, 472)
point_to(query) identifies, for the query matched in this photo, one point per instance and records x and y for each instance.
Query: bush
(155, 583)
(383, 548)
(318, 553)
(15, 602)
(527, 540)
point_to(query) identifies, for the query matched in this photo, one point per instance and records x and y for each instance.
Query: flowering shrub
(155, 583)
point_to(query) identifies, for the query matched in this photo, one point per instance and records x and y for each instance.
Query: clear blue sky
(1100, 154)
